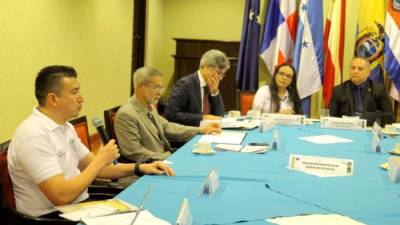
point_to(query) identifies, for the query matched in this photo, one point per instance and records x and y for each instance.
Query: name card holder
(376, 143)
(211, 183)
(377, 130)
(266, 124)
(394, 169)
(283, 119)
(275, 141)
(185, 214)
(321, 165)
(343, 123)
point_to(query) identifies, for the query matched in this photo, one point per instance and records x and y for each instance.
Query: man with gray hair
(196, 97)
(142, 134)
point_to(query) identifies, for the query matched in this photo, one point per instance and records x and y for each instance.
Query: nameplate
(275, 140)
(343, 123)
(266, 124)
(394, 169)
(185, 214)
(377, 129)
(321, 166)
(211, 183)
(376, 143)
(283, 119)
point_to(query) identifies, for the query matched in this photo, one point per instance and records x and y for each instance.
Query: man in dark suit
(196, 97)
(360, 96)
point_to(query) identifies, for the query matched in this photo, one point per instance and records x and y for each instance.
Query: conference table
(254, 187)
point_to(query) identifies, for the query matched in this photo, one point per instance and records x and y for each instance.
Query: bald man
(360, 96)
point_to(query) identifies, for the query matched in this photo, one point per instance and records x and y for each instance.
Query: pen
(141, 206)
(115, 213)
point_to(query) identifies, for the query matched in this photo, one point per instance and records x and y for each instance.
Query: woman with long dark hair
(281, 95)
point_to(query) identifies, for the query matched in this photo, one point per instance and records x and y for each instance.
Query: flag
(247, 70)
(279, 33)
(334, 47)
(309, 51)
(392, 46)
(371, 35)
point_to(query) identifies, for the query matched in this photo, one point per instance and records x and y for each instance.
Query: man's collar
(139, 106)
(201, 79)
(49, 123)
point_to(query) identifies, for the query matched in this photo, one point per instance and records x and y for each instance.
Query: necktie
(358, 102)
(163, 139)
(206, 101)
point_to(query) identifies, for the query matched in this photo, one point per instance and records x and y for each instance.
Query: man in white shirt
(48, 163)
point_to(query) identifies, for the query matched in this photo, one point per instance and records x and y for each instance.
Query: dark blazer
(184, 104)
(376, 101)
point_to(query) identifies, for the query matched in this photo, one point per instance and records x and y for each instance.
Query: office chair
(109, 117)
(244, 100)
(99, 185)
(15, 217)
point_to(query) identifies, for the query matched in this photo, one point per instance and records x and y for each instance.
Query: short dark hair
(48, 80)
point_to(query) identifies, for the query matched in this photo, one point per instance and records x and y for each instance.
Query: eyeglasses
(219, 71)
(285, 75)
(157, 88)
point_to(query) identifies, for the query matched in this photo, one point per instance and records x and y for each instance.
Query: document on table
(243, 149)
(315, 219)
(75, 212)
(325, 139)
(144, 218)
(225, 137)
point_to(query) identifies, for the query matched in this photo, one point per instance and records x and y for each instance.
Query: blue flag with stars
(308, 57)
(247, 69)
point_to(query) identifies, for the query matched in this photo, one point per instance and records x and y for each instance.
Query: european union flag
(247, 69)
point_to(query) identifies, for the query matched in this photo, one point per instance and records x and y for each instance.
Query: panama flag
(334, 47)
(309, 50)
(279, 33)
(392, 46)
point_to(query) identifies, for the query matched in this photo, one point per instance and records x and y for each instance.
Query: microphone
(98, 123)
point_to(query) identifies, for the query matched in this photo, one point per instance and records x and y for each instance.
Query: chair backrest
(109, 117)
(9, 199)
(81, 127)
(245, 101)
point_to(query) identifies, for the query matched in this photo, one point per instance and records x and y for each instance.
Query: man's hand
(286, 111)
(210, 128)
(157, 168)
(108, 153)
(213, 83)
(211, 117)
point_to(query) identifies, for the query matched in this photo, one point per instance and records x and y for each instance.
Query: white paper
(325, 139)
(316, 219)
(228, 147)
(144, 218)
(234, 123)
(225, 137)
(254, 149)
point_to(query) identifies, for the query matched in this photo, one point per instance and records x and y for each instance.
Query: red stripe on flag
(341, 40)
(292, 25)
(395, 14)
(329, 78)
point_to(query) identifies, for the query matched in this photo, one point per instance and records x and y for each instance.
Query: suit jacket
(138, 137)
(185, 105)
(376, 100)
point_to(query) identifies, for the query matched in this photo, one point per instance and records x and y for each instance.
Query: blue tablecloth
(255, 187)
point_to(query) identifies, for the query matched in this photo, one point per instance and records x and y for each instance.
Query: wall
(93, 36)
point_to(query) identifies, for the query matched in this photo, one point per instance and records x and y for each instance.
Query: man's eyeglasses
(157, 88)
(285, 75)
(219, 71)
